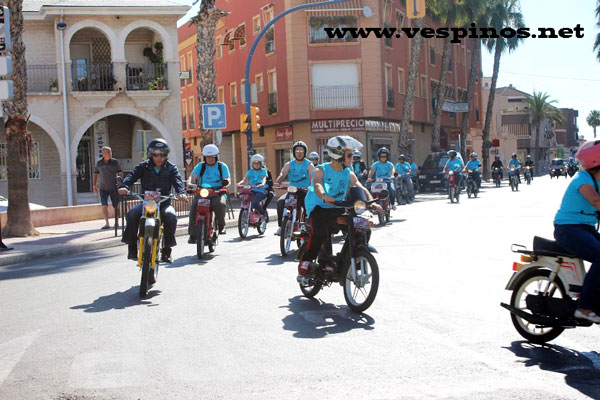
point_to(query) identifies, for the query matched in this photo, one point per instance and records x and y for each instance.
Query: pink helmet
(589, 154)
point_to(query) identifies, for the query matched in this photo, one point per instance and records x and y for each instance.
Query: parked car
(4, 205)
(431, 175)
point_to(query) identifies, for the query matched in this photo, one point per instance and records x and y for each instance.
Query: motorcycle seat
(546, 247)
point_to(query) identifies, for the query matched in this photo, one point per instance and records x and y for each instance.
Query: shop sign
(284, 134)
(353, 125)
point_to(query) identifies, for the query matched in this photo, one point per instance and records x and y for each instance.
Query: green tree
(593, 120)
(597, 42)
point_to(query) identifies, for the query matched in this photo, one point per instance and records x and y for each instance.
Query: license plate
(378, 187)
(422, 176)
(361, 223)
(204, 202)
(436, 181)
(291, 202)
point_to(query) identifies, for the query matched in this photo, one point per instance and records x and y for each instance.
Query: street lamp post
(249, 61)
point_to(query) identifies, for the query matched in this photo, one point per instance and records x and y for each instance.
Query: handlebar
(214, 190)
(162, 198)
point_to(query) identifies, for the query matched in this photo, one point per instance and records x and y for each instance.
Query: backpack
(269, 181)
(219, 164)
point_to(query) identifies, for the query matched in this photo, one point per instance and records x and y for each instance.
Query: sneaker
(393, 206)
(165, 255)
(132, 252)
(105, 227)
(591, 316)
(278, 231)
(222, 230)
(191, 240)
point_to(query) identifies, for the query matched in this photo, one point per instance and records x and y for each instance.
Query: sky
(566, 69)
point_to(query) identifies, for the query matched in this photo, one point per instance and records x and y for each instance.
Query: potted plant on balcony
(53, 85)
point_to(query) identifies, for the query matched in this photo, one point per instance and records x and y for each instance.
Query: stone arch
(102, 27)
(56, 138)
(172, 140)
(168, 50)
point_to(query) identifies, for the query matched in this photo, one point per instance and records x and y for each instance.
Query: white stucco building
(116, 91)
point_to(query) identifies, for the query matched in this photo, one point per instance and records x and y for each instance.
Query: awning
(350, 7)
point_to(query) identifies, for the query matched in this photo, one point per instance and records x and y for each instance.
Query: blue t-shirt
(298, 173)
(383, 170)
(255, 177)
(455, 165)
(403, 168)
(473, 165)
(574, 208)
(335, 184)
(514, 163)
(356, 168)
(413, 169)
(211, 177)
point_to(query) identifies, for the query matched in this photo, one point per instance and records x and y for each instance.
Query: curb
(11, 259)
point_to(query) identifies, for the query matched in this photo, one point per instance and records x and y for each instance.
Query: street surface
(236, 325)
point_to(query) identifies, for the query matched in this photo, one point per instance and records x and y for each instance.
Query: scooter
(379, 189)
(453, 188)
(250, 218)
(472, 187)
(293, 220)
(207, 231)
(513, 178)
(545, 286)
(402, 192)
(572, 170)
(497, 175)
(528, 174)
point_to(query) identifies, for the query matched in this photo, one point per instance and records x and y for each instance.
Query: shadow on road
(579, 369)
(314, 319)
(278, 259)
(119, 301)
(248, 238)
(189, 261)
(51, 265)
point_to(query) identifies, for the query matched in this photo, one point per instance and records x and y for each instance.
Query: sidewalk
(85, 236)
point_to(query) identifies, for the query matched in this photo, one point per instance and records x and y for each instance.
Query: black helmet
(452, 153)
(401, 157)
(383, 150)
(157, 144)
(497, 157)
(301, 144)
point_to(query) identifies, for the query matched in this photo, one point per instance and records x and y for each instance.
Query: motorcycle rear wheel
(214, 240)
(532, 332)
(357, 298)
(311, 291)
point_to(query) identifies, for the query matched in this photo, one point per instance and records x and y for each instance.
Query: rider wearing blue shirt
(384, 169)
(456, 165)
(574, 225)
(473, 165)
(210, 174)
(514, 162)
(299, 171)
(403, 170)
(257, 176)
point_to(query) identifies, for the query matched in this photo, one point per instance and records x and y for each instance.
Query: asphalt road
(236, 326)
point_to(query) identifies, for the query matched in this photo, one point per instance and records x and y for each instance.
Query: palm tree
(540, 109)
(206, 23)
(593, 120)
(415, 51)
(18, 139)
(597, 43)
(503, 14)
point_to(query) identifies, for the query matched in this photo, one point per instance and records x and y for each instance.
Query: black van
(431, 175)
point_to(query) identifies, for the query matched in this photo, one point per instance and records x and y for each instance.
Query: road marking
(107, 370)
(12, 351)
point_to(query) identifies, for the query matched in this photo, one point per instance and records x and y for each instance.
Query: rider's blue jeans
(257, 197)
(583, 241)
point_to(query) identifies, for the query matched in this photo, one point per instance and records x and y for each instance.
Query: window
(229, 41)
(243, 91)
(182, 68)
(184, 115)
(431, 55)
(190, 63)
(335, 85)
(221, 94)
(219, 46)
(268, 13)
(192, 113)
(389, 85)
(195, 141)
(434, 86)
(399, 20)
(240, 34)
(272, 95)
(269, 41)
(282, 157)
(33, 162)
(423, 87)
(260, 83)
(317, 27)
(400, 81)
(272, 75)
(233, 93)
(256, 27)
(387, 20)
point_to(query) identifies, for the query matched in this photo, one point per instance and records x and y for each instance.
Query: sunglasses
(162, 155)
(349, 155)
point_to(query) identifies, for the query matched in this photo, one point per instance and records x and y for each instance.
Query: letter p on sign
(213, 116)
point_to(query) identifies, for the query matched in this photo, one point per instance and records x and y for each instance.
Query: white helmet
(313, 156)
(337, 146)
(257, 158)
(210, 150)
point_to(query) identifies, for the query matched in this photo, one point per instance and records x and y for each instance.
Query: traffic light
(254, 119)
(5, 42)
(415, 8)
(6, 85)
(244, 122)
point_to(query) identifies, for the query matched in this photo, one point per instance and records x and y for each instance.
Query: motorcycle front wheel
(451, 193)
(531, 283)
(469, 190)
(146, 265)
(360, 293)
(285, 238)
(200, 239)
(243, 223)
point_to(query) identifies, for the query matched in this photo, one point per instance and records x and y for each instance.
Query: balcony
(272, 103)
(332, 97)
(390, 97)
(42, 79)
(147, 77)
(92, 77)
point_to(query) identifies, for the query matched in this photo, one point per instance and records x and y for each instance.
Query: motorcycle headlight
(151, 207)
(204, 193)
(360, 207)
(292, 189)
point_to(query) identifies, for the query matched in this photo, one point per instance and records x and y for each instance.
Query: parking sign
(213, 116)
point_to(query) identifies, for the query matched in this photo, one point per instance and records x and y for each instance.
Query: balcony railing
(336, 97)
(42, 78)
(92, 77)
(390, 97)
(147, 77)
(272, 103)
(320, 36)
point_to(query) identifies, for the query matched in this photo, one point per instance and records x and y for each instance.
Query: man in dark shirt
(105, 181)
(156, 174)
